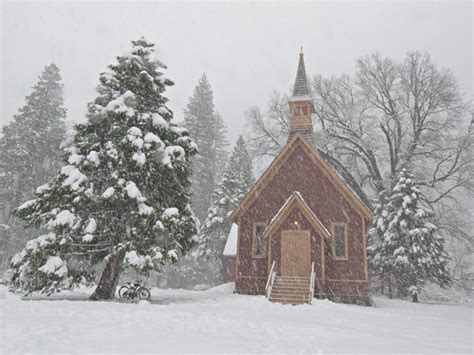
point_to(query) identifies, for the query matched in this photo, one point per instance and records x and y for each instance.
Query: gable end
(299, 141)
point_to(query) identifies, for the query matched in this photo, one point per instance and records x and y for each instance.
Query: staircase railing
(311, 283)
(271, 279)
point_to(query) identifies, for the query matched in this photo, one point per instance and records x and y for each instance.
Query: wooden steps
(291, 290)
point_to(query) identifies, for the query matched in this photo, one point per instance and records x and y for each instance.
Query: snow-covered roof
(231, 244)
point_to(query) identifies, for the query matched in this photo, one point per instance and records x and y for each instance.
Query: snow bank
(218, 321)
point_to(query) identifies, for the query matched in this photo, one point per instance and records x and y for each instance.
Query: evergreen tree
(411, 252)
(235, 183)
(376, 251)
(29, 145)
(205, 263)
(122, 196)
(207, 128)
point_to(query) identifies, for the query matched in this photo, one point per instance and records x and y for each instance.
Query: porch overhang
(296, 200)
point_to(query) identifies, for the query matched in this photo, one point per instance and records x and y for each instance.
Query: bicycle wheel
(143, 294)
(123, 292)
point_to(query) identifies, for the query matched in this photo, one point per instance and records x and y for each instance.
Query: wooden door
(295, 253)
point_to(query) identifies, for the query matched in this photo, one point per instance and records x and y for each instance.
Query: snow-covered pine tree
(412, 252)
(377, 252)
(29, 145)
(203, 265)
(122, 197)
(207, 128)
(235, 183)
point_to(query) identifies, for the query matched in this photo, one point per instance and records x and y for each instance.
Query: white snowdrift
(218, 321)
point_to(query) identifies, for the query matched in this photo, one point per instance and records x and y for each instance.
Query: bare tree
(390, 114)
(269, 130)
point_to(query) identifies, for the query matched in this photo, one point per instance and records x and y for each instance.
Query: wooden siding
(299, 173)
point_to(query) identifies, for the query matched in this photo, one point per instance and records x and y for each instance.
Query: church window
(259, 240)
(305, 110)
(297, 111)
(339, 246)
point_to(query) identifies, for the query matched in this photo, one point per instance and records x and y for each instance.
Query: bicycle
(134, 290)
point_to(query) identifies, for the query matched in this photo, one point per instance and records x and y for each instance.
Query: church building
(300, 232)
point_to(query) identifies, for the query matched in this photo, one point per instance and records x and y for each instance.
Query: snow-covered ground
(218, 321)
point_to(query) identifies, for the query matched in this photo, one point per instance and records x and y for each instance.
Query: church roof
(301, 90)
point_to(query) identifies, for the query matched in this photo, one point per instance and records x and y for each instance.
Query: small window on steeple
(297, 111)
(305, 110)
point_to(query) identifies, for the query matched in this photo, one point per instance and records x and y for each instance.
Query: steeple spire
(301, 103)
(301, 87)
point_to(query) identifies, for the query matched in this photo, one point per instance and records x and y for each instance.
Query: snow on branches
(126, 169)
(405, 249)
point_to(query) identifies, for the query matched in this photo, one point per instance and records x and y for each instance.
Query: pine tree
(376, 251)
(29, 145)
(204, 265)
(122, 196)
(233, 186)
(207, 128)
(235, 183)
(411, 252)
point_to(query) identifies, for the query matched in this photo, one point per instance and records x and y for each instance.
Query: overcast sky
(246, 49)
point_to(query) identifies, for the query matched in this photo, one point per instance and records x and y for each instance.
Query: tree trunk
(382, 284)
(414, 297)
(390, 295)
(105, 290)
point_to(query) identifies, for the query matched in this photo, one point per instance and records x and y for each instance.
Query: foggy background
(246, 50)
